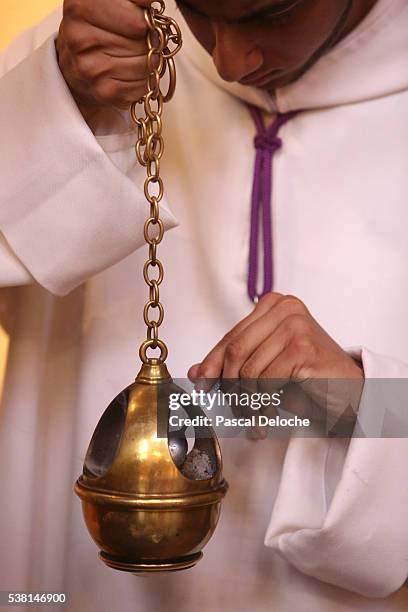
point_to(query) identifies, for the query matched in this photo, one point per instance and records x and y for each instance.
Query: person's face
(265, 43)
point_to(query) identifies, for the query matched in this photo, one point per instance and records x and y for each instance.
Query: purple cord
(266, 144)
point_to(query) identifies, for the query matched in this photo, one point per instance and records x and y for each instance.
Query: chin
(278, 83)
(273, 83)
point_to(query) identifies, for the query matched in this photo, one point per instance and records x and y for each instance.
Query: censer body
(145, 514)
(141, 510)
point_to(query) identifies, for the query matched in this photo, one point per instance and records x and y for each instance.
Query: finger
(90, 67)
(262, 352)
(240, 403)
(240, 349)
(83, 37)
(276, 380)
(212, 364)
(200, 384)
(128, 69)
(283, 366)
(118, 93)
(122, 17)
(248, 354)
(192, 373)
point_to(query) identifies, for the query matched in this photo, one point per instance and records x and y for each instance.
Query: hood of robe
(371, 62)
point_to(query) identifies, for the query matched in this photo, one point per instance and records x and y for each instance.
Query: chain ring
(164, 41)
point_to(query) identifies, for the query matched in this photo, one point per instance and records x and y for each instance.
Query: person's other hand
(102, 51)
(280, 342)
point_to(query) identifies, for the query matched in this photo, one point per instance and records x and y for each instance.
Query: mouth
(261, 80)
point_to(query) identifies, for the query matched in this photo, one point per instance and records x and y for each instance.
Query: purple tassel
(266, 144)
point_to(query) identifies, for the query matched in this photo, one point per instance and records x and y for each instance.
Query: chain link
(163, 42)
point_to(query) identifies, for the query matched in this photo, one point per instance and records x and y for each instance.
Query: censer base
(150, 566)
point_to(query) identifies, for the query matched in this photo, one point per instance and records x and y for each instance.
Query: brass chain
(163, 41)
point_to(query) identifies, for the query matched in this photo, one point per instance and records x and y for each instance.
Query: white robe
(71, 216)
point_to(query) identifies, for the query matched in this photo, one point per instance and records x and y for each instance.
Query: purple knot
(267, 142)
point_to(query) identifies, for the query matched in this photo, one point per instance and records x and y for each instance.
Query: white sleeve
(67, 211)
(341, 510)
(12, 271)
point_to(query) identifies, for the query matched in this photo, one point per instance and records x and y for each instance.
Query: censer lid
(153, 373)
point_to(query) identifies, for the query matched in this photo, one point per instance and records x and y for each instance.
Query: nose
(234, 55)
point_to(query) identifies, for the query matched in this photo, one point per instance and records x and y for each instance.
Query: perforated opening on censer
(107, 436)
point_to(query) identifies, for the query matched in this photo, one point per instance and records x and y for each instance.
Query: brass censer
(146, 503)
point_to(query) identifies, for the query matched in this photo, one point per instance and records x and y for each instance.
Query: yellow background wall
(17, 15)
